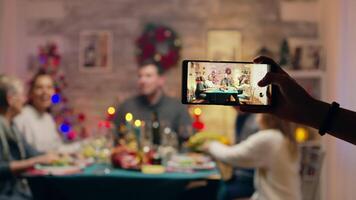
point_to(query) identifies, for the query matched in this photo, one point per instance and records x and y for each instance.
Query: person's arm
(342, 125)
(253, 152)
(9, 169)
(293, 103)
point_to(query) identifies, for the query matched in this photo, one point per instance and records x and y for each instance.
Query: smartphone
(225, 83)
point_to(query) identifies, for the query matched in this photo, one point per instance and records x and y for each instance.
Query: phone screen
(225, 83)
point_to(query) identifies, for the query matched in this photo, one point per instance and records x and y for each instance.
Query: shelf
(315, 73)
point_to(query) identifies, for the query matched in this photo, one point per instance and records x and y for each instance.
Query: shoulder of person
(130, 101)
(25, 113)
(173, 101)
(268, 136)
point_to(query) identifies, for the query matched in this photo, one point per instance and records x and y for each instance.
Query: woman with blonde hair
(273, 152)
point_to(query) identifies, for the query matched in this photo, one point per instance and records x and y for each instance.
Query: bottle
(156, 129)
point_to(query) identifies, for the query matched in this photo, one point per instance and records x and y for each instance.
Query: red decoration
(72, 135)
(81, 117)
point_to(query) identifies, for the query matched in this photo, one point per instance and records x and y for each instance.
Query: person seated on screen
(36, 123)
(16, 155)
(200, 88)
(245, 87)
(273, 152)
(241, 79)
(227, 81)
(209, 82)
(151, 98)
(213, 77)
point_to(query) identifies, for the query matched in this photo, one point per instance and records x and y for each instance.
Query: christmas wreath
(158, 44)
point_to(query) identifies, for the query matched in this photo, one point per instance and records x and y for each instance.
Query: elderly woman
(16, 155)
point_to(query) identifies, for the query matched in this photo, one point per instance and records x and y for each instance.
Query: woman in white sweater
(36, 123)
(273, 152)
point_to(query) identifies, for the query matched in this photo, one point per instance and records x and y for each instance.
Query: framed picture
(224, 45)
(305, 53)
(95, 51)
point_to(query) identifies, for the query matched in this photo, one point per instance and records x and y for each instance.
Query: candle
(137, 131)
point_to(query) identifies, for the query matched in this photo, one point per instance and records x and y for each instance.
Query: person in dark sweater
(152, 99)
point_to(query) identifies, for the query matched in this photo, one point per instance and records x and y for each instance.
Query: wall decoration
(95, 51)
(224, 45)
(306, 53)
(158, 44)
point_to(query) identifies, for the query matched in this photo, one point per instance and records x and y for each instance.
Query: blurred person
(16, 155)
(241, 183)
(227, 81)
(213, 77)
(200, 88)
(273, 152)
(209, 82)
(152, 99)
(245, 88)
(36, 123)
(293, 103)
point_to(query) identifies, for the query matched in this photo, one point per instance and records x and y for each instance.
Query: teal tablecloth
(94, 183)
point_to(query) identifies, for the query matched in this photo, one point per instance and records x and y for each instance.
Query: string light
(129, 117)
(301, 135)
(56, 98)
(65, 128)
(111, 110)
(197, 111)
(137, 123)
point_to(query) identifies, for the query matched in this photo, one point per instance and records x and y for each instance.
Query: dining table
(102, 181)
(216, 95)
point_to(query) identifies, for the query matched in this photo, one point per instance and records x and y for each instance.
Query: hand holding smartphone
(225, 83)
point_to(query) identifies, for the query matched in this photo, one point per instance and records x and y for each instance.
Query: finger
(269, 61)
(273, 78)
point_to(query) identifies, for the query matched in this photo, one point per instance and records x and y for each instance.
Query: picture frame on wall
(224, 45)
(306, 53)
(95, 51)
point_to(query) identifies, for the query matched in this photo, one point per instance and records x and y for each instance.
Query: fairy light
(197, 111)
(111, 110)
(129, 117)
(56, 98)
(137, 123)
(301, 135)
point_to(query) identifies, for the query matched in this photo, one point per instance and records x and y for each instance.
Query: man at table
(152, 99)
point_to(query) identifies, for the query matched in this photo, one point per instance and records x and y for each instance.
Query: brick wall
(258, 20)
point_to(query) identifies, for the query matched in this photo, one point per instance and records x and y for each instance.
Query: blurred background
(313, 39)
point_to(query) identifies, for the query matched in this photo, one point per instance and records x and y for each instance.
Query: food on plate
(190, 162)
(126, 158)
(198, 139)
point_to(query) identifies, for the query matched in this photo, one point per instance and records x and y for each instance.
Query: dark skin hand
(293, 103)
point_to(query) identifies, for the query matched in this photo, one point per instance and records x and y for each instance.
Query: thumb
(273, 78)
